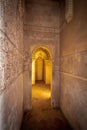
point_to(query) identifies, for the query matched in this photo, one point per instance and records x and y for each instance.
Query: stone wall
(73, 66)
(41, 29)
(11, 64)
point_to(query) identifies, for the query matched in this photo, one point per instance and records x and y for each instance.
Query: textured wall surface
(41, 29)
(74, 67)
(11, 64)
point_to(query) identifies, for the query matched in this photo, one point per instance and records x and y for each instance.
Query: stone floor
(42, 116)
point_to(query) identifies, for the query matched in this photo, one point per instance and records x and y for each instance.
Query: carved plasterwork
(11, 61)
(68, 10)
(41, 52)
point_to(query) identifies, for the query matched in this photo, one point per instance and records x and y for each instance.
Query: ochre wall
(11, 64)
(39, 68)
(48, 72)
(73, 67)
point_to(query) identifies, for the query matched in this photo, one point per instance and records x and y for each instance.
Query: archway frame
(49, 55)
(55, 75)
(45, 54)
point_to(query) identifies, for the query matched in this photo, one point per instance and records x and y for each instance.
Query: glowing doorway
(41, 66)
(42, 71)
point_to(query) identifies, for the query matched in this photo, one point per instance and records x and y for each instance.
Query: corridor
(43, 40)
(42, 116)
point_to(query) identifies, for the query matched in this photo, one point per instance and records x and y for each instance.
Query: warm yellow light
(41, 92)
(33, 72)
(41, 66)
(46, 94)
(48, 71)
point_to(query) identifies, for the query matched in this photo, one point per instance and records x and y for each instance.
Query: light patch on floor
(40, 90)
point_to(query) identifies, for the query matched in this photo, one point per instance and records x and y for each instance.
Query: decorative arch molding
(41, 50)
(50, 50)
(68, 10)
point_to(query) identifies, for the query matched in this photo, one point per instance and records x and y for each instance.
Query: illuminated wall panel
(48, 71)
(39, 69)
(33, 71)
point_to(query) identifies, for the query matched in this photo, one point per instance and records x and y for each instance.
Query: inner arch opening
(41, 66)
(41, 73)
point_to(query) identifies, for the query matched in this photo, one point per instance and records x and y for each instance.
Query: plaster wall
(41, 29)
(39, 64)
(11, 64)
(73, 66)
(48, 72)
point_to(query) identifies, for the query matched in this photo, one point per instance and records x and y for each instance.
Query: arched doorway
(42, 69)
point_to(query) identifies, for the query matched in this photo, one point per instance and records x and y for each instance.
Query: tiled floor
(42, 116)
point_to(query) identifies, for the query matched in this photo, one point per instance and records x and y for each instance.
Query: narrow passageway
(42, 116)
